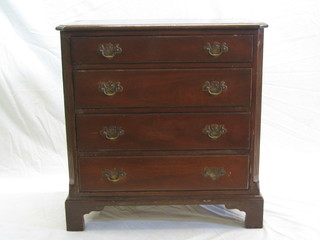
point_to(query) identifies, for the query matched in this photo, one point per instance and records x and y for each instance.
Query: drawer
(153, 88)
(164, 173)
(157, 49)
(163, 131)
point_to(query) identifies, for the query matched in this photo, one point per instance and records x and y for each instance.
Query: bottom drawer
(164, 173)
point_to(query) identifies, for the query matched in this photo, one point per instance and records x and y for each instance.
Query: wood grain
(162, 49)
(163, 131)
(164, 173)
(162, 88)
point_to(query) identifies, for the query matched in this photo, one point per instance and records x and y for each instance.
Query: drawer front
(150, 88)
(163, 131)
(164, 173)
(157, 49)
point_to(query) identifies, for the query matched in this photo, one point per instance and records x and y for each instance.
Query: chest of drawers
(162, 114)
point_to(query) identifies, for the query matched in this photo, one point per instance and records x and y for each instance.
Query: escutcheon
(214, 88)
(112, 132)
(110, 88)
(214, 131)
(109, 50)
(214, 173)
(114, 175)
(216, 49)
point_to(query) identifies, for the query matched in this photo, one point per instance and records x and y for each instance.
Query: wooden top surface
(159, 24)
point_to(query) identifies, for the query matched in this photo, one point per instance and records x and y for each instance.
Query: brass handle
(216, 49)
(215, 87)
(112, 132)
(214, 131)
(110, 88)
(114, 175)
(214, 173)
(109, 50)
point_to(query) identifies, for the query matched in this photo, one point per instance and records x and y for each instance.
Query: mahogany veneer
(162, 114)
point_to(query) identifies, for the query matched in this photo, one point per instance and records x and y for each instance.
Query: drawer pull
(110, 88)
(114, 175)
(214, 88)
(109, 50)
(216, 49)
(214, 173)
(214, 131)
(112, 132)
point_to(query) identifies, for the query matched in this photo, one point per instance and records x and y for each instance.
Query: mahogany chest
(162, 114)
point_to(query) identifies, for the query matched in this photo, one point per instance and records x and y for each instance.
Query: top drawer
(158, 49)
